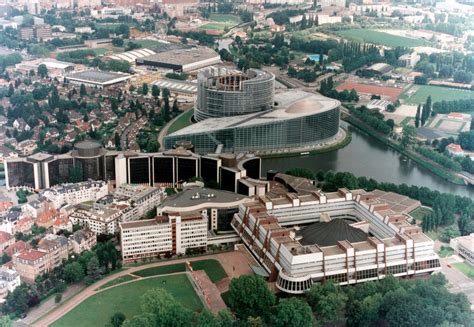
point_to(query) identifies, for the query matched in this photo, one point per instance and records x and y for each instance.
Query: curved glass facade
(233, 94)
(278, 134)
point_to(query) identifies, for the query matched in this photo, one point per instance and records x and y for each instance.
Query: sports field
(438, 93)
(377, 37)
(220, 22)
(126, 299)
(390, 92)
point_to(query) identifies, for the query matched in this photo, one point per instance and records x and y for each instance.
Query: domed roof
(329, 233)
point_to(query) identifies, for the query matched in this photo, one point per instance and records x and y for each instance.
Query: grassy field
(376, 37)
(126, 299)
(182, 121)
(100, 51)
(420, 213)
(464, 268)
(117, 281)
(223, 18)
(437, 93)
(147, 43)
(212, 268)
(220, 22)
(170, 269)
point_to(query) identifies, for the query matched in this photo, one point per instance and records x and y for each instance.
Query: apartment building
(9, 280)
(163, 234)
(75, 193)
(98, 218)
(50, 253)
(345, 236)
(82, 240)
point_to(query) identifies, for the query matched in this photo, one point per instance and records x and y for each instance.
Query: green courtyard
(377, 37)
(465, 268)
(126, 299)
(438, 93)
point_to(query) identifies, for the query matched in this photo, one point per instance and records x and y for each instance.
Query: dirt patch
(391, 93)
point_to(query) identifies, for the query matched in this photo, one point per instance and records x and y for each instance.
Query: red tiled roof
(17, 247)
(31, 255)
(5, 237)
(455, 147)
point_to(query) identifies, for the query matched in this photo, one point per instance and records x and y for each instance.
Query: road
(226, 259)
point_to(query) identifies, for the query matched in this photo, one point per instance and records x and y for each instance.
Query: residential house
(6, 239)
(83, 240)
(9, 280)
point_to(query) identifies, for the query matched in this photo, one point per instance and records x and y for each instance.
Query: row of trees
(327, 89)
(373, 118)
(439, 158)
(390, 301)
(462, 105)
(88, 266)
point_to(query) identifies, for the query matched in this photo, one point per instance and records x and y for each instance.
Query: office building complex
(300, 119)
(172, 168)
(218, 205)
(464, 246)
(345, 236)
(223, 93)
(171, 234)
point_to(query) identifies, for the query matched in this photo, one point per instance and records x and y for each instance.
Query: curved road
(60, 311)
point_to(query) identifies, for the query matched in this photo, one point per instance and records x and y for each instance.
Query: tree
(166, 93)
(207, 319)
(117, 319)
(417, 116)
(117, 42)
(73, 272)
(93, 269)
(155, 91)
(82, 91)
(449, 233)
(54, 99)
(42, 70)
(300, 172)
(466, 140)
(118, 146)
(249, 296)
(327, 301)
(164, 309)
(426, 111)
(145, 89)
(58, 297)
(408, 135)
(292, 312)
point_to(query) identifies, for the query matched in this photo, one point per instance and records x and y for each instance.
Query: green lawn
(147, 43)
(438, 93)
(445, 251)
(100, 51)
(170, 269)
(420, 213)
(376, 37)
(223, 18)
(213, 26)
(117, 281)
(465, 268)
(97, 310)
(183, 121)
(212, 268)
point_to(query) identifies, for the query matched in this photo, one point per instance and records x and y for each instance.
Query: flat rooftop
(192, 196)
(98, 77)
(291, 104)
(181, 56)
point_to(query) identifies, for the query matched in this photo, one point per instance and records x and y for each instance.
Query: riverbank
(298, 152)
(441, 172)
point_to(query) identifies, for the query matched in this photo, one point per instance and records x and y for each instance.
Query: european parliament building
(240, 112)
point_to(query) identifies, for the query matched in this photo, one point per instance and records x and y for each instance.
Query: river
(366, 156)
